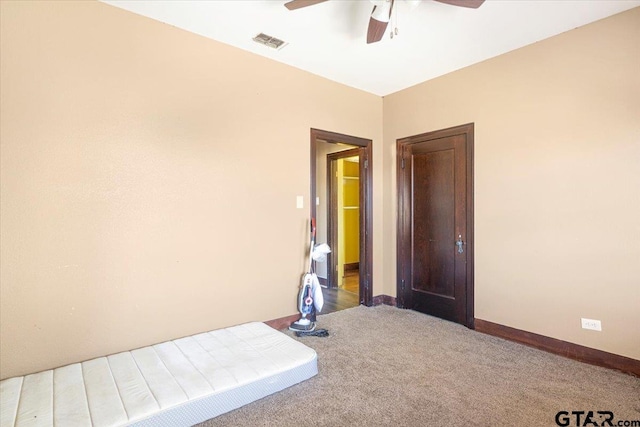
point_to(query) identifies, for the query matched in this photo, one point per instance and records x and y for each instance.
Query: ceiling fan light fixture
(381, 13)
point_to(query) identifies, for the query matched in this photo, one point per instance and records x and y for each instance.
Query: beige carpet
(386, 366)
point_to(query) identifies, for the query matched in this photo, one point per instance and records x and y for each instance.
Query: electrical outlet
(594, 325)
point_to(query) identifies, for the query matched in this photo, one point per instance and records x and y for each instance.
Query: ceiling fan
(381, 13)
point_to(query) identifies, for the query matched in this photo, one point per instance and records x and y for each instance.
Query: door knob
(459, 244)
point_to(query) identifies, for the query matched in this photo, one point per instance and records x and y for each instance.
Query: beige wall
(141, 181)
(557, 180)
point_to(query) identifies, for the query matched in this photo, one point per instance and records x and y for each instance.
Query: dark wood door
(435, 242)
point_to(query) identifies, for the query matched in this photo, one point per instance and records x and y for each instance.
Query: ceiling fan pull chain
(395, 22)
(392, 20)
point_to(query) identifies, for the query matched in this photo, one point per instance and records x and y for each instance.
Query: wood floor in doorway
(337, 299)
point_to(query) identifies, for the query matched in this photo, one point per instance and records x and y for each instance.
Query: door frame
(332, 208)
(366, 202)
(404, 205)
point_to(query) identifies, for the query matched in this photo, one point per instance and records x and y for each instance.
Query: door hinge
(402, 163)
(402, 284)
(366, 163)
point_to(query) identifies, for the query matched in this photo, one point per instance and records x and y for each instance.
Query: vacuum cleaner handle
(313, 241)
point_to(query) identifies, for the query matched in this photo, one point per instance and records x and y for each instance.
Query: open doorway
(343, 219)
(341, 178)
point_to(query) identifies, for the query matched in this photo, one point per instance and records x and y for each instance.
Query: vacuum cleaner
(310, 299)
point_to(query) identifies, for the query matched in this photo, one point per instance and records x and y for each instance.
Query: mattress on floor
(176, 383)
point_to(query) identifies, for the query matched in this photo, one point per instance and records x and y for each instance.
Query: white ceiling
(329, 39)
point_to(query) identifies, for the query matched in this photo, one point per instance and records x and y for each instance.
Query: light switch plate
(299, 202)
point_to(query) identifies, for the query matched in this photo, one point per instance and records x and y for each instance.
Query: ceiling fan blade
(474, 4)
(376, 30)
(297, 4)
(380, 16)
